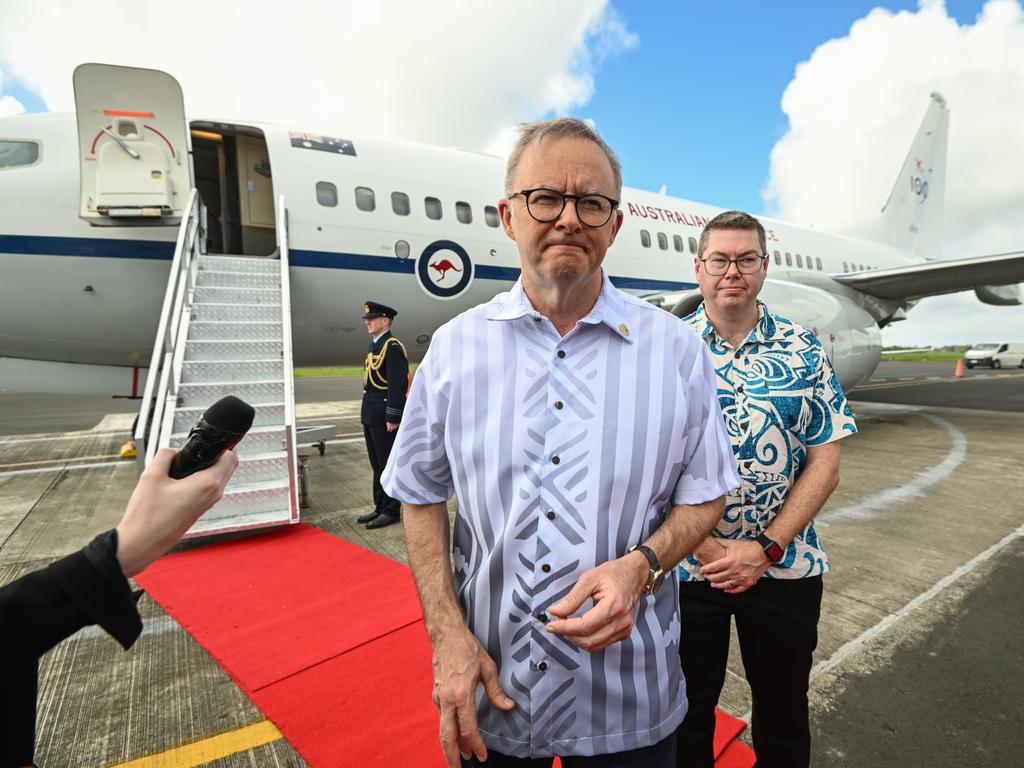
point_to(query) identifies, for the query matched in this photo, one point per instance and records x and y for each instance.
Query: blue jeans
(660, 755)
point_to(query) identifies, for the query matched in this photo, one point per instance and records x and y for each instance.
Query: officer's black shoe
(367, 517)
(382, 521)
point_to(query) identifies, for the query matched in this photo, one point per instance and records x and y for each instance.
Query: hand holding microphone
(161, 509)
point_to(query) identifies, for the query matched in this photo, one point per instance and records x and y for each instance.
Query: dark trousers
(777, 628)
(378, 447)
(660, 755)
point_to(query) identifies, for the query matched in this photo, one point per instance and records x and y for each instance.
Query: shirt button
(738, 354)
(558, 405)
(551, 514)
(555, 459)
(546, 568)
(542, 617)
(561, 353)
(543, 666)
(743, 426)
(739, 388)
(747, 464)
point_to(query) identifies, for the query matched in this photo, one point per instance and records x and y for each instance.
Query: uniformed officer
(385, 383)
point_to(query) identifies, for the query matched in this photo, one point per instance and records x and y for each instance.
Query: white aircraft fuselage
(77, 293)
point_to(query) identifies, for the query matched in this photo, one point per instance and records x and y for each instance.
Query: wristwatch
(656, 576)
(771, 550)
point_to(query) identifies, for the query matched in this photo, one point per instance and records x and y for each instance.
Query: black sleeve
(397, 373)
(42, 608)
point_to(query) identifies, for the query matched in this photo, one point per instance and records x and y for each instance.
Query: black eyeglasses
(546, 205)
(716, 266)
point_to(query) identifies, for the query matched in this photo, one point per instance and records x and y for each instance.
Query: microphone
(222, 426)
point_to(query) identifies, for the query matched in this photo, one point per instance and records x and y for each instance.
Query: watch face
(656, 581)
(774, 552)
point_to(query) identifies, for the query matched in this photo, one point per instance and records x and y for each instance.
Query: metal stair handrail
(289, 379)
(165, 363)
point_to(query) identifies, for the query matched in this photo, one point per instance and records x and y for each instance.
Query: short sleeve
(831, 417)
(418, 471)
(710, 468)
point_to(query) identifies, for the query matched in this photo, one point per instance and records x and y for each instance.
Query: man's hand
(161, 509)
(460, 664)
(615, 587)
(391, 426)
(741, 567)
(709, 550)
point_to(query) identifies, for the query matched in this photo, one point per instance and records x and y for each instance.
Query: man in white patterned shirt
(579, 430)
(785, 411)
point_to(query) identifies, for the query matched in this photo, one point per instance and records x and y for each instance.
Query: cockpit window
(15, 153)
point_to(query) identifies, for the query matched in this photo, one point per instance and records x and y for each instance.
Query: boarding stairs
(225, 329)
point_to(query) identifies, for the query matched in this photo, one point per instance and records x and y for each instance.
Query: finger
(571, 603)
(717, 566)
(493, 689)
(160, 464)
(581, 626)
(449, 736)
(469, 735)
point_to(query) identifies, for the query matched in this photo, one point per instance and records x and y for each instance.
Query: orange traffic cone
(959, 372)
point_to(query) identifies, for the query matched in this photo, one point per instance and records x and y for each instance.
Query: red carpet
(327, 640)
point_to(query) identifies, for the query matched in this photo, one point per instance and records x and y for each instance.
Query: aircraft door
(133, 146)
(256, 196)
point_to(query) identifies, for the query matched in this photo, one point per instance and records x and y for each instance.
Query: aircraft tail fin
(911, 219)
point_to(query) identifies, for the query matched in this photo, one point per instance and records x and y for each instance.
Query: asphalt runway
(917, 664)
(924, 383)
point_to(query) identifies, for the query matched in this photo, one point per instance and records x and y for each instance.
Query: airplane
(86, 241)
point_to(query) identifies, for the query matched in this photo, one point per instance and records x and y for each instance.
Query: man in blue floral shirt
(785, 412)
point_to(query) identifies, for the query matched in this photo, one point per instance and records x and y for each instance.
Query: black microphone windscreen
(230, 414)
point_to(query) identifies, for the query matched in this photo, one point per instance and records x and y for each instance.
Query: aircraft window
(14, 153)
(663, 241)
(365, 199)
(693, 245)
(817, 262)
(491, 216)
(645, 238)
(400, 203)
(677, 243)
(326, 194)
(846, 267)
(778, 258)
(789, 260)
(810, 264)
(463, 212)
(433, 206)
(799, 260)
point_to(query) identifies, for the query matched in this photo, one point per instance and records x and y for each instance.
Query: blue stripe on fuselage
(103, 247)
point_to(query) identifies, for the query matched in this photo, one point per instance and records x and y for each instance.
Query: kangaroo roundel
(444, 269)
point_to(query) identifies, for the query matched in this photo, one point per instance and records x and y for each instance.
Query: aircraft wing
(932, 278)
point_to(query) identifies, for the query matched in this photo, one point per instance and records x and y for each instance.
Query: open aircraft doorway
(233, 174)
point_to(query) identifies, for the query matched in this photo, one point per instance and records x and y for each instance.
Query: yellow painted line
(207, 750)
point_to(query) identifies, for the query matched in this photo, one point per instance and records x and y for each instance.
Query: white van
(1004, 355)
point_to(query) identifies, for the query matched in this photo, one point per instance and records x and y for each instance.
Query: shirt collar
(610, 308)
(764, 330)
(381, 335)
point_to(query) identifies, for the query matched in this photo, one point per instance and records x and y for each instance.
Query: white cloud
(445, 72)
(866, 93)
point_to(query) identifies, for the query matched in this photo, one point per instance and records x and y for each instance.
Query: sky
(801, 110)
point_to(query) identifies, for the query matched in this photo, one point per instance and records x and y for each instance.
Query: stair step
(235, 312)
(229, 349)
(253, 392)
(267, 415)
(217, 294)
(217, 278)
(257, 442)
(239, 263)
(233, 330)
(243, 522)
(250, 501)
(214, 371)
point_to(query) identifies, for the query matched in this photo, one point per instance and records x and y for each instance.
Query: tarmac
(918, 661)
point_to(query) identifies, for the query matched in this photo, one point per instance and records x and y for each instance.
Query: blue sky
(706, 82)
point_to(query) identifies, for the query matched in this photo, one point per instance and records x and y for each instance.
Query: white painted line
(68, 467)
(877, 504)
(65, 436)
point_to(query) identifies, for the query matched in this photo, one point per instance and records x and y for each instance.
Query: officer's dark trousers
(777, 628)
(378, 446)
